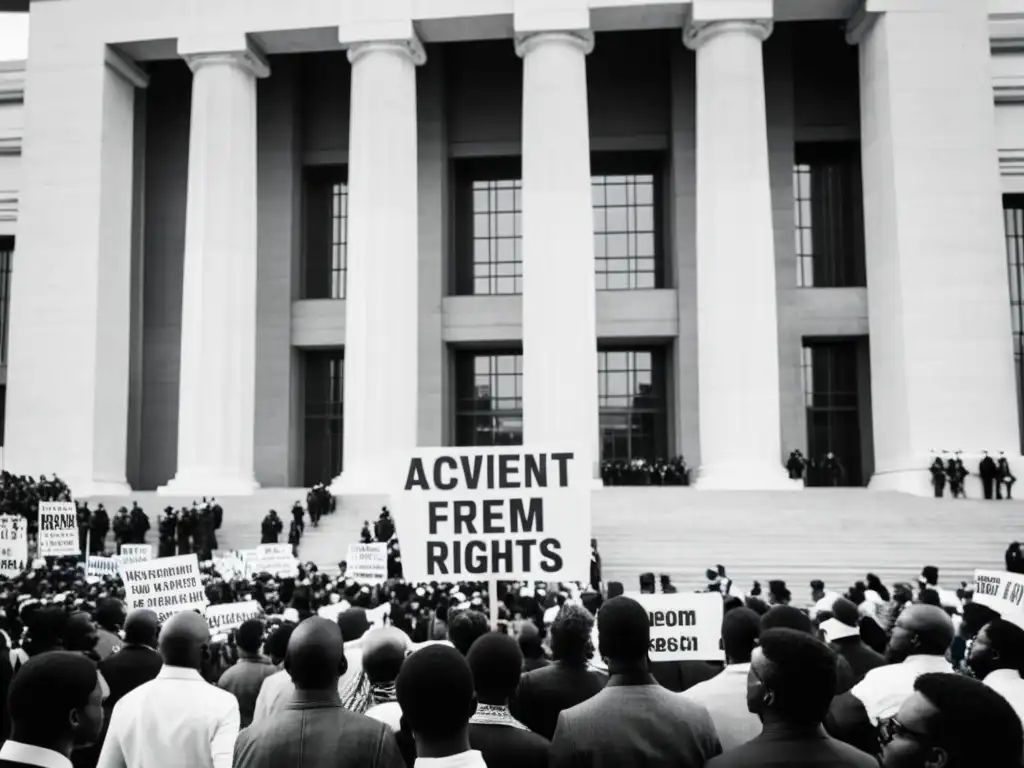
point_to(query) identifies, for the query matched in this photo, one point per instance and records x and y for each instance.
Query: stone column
(216, 406)
(381, 312)
(560, 405)
(939, 312)
(738, 347)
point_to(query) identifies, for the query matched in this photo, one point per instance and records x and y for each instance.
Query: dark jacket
(505, 747)
(544, 693)
(127, 669)
(859, 656)
(529, 665)
(316, 731)
(244, 679)
(680, 676)
(808, 748)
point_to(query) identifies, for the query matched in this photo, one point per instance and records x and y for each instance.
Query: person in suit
(314, 730)
(633, 721)
(245, 677)
(952, 721)
(544, 693)
(532, 647)
(496, 663)
(435, 691)
(56, 705)
(841, 629)
(790, 684)
(987, 471)
(137, 662)
(788, 617)
(110, 618)
(176, 719)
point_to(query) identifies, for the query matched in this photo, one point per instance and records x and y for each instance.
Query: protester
(615, 727)
(790, 684)
(997, 659)
(137, 662)
(435, 691)
(110, 618)
(954, 722)
(496, 663)
(177, 719)
(531, 644)
(724, 696)
(314, 730)
(245, 678)
(464, 627)
(56, 706)
(384, 652)
(841, 628)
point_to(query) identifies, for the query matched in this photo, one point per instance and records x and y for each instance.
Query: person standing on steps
(988, 471)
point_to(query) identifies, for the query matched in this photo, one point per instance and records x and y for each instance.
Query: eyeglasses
(891, 727)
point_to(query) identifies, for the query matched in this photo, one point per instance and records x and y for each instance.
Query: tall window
(1013, 211)
(325, 395)
(631, 398)
(626, 200)
(828, 216)
(3, 413)
(831, 398)
(326, 232)
(6, 256)
(489, 395)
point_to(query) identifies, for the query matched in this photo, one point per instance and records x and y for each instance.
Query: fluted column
(381, 322)
(738, 347)
(218, 335)
(560, 404)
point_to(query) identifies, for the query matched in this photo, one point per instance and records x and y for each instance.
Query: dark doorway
(325, 390)
(831, 395)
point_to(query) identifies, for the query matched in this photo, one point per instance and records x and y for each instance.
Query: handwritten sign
(58, 529)
(1001, 591)
(135, 553)
(515, 514)
(165, 586)
(275, 559)
(221, 618)
(684, 627)
(368, 563)
(97, 566)
(13, 545)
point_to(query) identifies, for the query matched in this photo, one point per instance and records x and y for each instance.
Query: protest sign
(275, 559)
(684, 626)
(368, 563)
(58, 529)
(136, 553)
(1001, 591)
(13, 545)
(229, 565)
(97, 566)
(472, 514)
(221, 618)
(165, 586)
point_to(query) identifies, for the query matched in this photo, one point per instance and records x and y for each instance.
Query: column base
(913, 476)
(85, 489)
(740, 476)
(194, 484)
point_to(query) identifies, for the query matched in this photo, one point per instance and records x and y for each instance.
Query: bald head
(316, 655)
(384, 651)
(142, 627)
(920, 630)
(183, 640)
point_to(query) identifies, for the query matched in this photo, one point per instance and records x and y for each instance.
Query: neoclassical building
(262, 243)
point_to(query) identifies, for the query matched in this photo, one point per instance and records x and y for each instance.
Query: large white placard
(13, 545)
(367, 563)
(684, 626)
(507, 513)
(97, 566)
(1001, 591)
(275, 559)
(165, 586)
(221, 618)
(58, 529)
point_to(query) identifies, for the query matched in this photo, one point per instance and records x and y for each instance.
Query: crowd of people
(399, 675)
(644, 472)
(995, 474)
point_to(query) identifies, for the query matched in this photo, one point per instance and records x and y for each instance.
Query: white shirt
(1010, 685)
(177, 720)
(278, 689)
(17, 752)
(884, 689)
(389, 713)
(470, 759)
(725, 698)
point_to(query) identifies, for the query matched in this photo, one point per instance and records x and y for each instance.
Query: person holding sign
(618, 726)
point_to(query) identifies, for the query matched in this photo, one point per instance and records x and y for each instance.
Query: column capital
(696, 34)
(410, 47)
(584, 40)
(249, 59)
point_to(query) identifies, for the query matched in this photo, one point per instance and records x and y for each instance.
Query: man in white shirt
(56, 705)
(725, 695)
(177, 720)
(997, 659)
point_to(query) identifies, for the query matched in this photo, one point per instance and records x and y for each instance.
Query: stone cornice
(12, 84)
(584, 40)
(250, 59)
(411, 47)
(127, 68)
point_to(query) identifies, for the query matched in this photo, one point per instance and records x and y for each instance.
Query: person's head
(465, 628)
(999, 645)
(570, 634)
(921, 630)
(276, 644)
(902, 592)
(647, 583)
(185, 640)
(384, 652)
(624, 630)
(496, 663)
(615, 588)
(952, 721)
(316, 655)
(56, 702)
(929, 596)
(786, 617)
(530, 641)
(249, 637)
(142, 627)
(353, 624)
(817, 589)
(792, 678)
(435, 692)
(80, 632)
(976, 616)
(741, 628)
(110, 614)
